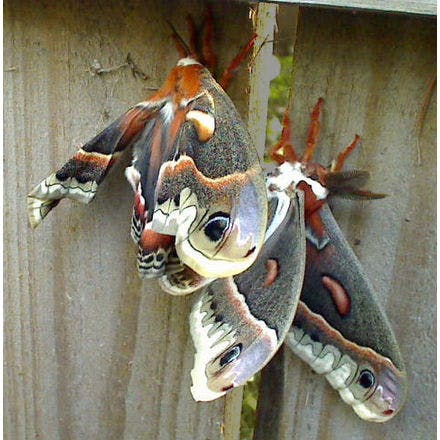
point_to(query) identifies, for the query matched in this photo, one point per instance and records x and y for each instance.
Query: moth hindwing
(238, 323)
(343, 333)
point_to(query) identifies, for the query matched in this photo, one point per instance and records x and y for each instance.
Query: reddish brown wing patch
(151, 241)
(98, 159)
(272, 268)
(132, 123)
(339, 295)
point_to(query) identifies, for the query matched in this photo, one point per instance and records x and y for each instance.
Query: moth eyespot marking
(204, 123)
(366, 379)
(213, 305)
(272, 267)
(216, 226)
(339, 295)
(231, 355)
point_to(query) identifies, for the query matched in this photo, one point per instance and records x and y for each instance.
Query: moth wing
(238, 323)
(210, 191)
(181, 279)
(341, 331)
(196, 176)
(80, 177)
(150, 149)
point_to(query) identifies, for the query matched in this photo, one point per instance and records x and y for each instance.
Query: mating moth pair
(264, 252)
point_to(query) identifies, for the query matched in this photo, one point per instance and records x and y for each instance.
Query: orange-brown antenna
(314, 129)
(181, 46)
(236, 62)
(338, 163)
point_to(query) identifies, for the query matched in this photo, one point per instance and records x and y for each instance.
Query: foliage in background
(249, 407)
(278, 100)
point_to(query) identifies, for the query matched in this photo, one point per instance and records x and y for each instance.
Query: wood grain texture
(91, 352)
(262, 72)
(425, 7)
(374, 73)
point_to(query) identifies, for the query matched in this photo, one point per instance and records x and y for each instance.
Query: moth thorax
(289, 175)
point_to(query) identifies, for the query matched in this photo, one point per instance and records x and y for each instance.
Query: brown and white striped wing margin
(81, 176)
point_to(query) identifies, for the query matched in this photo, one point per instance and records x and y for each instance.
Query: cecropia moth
(269, 258)
(338, 327)
(199, 188)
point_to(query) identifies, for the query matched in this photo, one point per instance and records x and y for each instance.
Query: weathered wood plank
(90, 350)
(374, 73)
(262, 73)
(424, 7)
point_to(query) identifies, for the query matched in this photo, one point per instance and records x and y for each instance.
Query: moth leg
(181, 47)
(81, 176)
(206, 55)
(348, 183)
(314, 129)
(210, 59)
(283, 151)
(233, 67)
(338, 163)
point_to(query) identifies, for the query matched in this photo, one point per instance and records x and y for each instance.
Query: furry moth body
(199, 189)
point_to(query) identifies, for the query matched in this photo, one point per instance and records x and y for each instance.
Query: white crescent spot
(204, 124)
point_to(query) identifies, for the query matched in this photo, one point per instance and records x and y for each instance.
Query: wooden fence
(90, 351)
